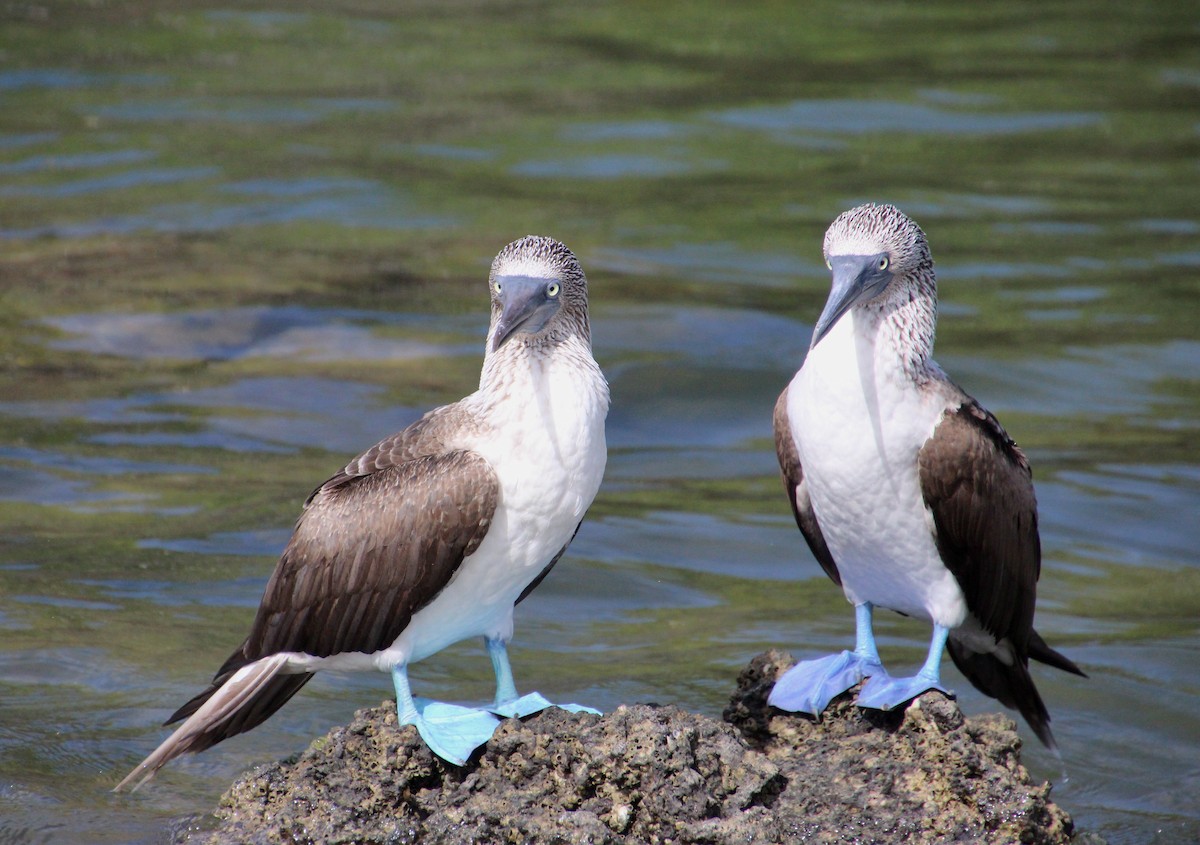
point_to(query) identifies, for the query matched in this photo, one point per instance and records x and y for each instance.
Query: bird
(908, 492)
(435, 533)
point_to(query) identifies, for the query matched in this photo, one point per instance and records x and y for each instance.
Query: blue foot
(506, 703)
(809, 686)
(451, 731)
(883, 692)
(519, 708)
(534, 702)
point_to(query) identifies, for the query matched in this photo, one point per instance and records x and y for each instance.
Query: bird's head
(539, 294)
(876, 253)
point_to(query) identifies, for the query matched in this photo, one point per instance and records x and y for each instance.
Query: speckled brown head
(878, 256)
(539, 294)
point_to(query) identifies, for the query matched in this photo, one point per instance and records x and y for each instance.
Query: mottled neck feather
(569, 341)
(905, 319)
(905, 316)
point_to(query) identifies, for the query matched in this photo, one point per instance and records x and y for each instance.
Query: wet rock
(648, 774)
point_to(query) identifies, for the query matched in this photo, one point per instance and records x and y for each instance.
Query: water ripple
(102, 465)
(709, 262)
(238, 333)
(269, 542)
(114, 182)
(75, 161)
(855, 117)
(297, 111)
(610, 166)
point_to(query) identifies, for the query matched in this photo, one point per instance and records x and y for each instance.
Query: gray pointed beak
(856, 278)
(526, 304)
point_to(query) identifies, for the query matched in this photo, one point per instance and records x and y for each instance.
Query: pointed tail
(225, 709)
(1042, 653)
(1011, 684)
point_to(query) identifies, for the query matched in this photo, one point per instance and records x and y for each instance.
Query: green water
(238, 245)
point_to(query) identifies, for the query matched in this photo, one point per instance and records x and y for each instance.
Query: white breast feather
(859, 422)
(547, 446)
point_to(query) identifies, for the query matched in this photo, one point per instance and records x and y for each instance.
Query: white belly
(550, 458)
(858, 426)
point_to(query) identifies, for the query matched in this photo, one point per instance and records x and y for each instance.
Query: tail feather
(1039, 651)
(1011, 684)
(238, 704)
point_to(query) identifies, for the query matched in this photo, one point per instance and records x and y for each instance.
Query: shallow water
(238, 247)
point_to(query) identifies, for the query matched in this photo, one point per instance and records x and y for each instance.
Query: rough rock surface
(647, 774)
(926, 774)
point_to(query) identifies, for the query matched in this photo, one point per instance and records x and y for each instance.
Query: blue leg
(451, 732)
(507, 703)
(883, 692)
(809, 686)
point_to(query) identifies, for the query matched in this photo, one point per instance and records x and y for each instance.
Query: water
(238, 247)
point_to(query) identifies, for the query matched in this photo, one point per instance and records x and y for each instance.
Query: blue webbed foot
(883, 692)
(451, 731)
(506, 702)
(534, 702)
(519, 708)
(809, 686)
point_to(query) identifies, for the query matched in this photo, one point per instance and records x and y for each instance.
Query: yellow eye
(496, 287)
(883, 262)
(552, 289)
(827, 264)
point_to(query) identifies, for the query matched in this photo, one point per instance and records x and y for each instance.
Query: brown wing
(370, 552)
(797, 490)
(978, 486)
(426, 436)
(979, 489)
(375, 544)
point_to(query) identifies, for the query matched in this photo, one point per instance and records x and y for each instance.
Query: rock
(924, 774)
(649, 774)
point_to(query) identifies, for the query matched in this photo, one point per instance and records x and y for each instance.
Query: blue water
(161, 424)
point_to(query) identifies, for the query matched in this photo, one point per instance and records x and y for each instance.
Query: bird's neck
(522, 359)
(900, 330)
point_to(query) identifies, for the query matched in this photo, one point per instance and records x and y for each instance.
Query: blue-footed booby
(434, 534)
(909, 493)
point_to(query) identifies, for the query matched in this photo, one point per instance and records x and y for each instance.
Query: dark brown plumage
(978, 486)
(376, 543)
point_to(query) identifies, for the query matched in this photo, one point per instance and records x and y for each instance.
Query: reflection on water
(235, 248)
(711, 262)
(373, 206)
(63, 78)
(700, 336)
(288, 332)
(55, 163)
(606, 167)
(113, 182)
(241, 109)
(268, 543)
(858, 116)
